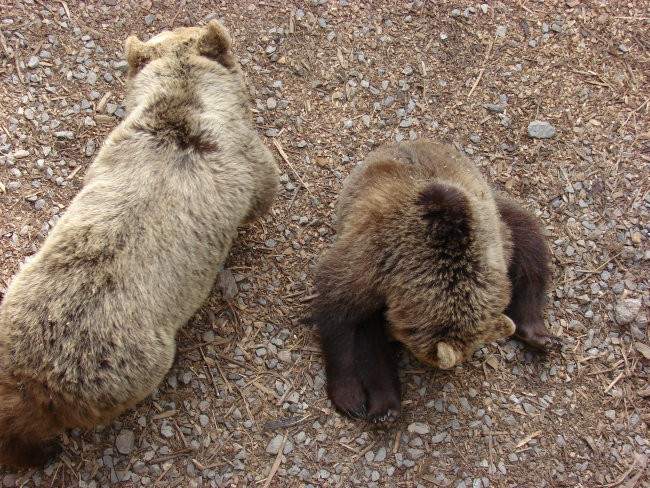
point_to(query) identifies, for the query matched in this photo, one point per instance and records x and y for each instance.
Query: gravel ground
(550, 98)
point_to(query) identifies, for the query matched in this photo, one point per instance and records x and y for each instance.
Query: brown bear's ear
(137, 53)
(448, 355)
(505, 327)
(501, 328)
(215, 44)
(443, 202)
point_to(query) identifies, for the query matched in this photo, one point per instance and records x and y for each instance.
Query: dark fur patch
(439, 201)
(171, 120)
(377, 368)
(529, 272)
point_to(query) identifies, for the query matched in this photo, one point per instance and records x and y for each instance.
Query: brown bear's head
(448, 350)
(447, 296)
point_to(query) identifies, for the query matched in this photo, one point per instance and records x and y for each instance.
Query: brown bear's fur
(87, 327)
(425, 254)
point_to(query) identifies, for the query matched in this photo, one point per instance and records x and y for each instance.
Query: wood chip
(492, 362)
(102, 102)
(644, 349)
(164, 415)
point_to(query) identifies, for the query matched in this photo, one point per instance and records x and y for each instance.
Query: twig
(527, 439)
(599, 268)
(293, 198)
(65, 7)
(277, 144)
(482, 70)
(214, 383)
(397, 442)
(286, 423)
(181, 5)
(276, 463)
(364, 451)
(74, 172)
(3, 43)
(17, 63)
(162, 475)
(169, 457)
(622, 477)
(616, 380)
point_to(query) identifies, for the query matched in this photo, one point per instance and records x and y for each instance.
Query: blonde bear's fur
(87, 327)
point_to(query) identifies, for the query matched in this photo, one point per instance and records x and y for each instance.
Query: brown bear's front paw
(538, 336)
(348, 396)
(385, 417)
(24, 455)
(384, 404)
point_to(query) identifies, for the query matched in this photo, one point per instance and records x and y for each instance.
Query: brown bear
(87, 327)
(427, 255)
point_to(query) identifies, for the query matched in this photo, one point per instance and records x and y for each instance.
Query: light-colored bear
(87, 327)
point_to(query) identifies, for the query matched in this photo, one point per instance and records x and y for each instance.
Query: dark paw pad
(348, 397)
(539, 337)
(384, 405)
(387, 417)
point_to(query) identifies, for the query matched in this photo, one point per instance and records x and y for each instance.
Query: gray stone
(539, 129)
(493, 107)
(274, 446)
(148, 19)
(125, 441)
(33, 62)
(167, 430)
(121, 65)
(90, 147)
(626, 310)
(9, 480)
(438, 438)
(227, 285)
(380, 457)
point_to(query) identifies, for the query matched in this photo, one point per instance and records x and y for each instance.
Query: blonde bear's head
(212, 41)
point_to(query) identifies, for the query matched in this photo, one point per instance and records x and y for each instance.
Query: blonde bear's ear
(448, 355)
(137, 53)
(215, 44)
